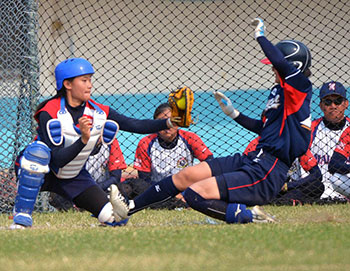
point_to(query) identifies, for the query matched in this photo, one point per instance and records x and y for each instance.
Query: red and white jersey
(324, 143)
(98, 115)
(109, 157)
(151, 157)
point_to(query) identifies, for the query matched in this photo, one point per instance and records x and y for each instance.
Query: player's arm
(197, 147)
(253, 125)
(296, 85)
(338, 164)
(314, 175)
(286, 70)
(145, 126)
(142, 162)
(272, 52)
(60, 155)
(339, 161)
(227, 107)
(276, 57)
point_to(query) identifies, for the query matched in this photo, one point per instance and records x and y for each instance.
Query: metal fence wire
(142, 50)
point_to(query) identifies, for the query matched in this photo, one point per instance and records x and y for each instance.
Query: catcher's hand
(181, 102)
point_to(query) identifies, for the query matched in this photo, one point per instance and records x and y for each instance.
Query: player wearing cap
(331, 141)
(162, 154)
(69, 126)
(328, 154)
(167, 152)
(223, 187)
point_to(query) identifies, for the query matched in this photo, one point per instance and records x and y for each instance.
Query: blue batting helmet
(294, 52)
(70, 68)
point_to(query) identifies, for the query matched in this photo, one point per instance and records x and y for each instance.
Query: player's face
(78, 89)
(277, 78)
(167, 135)
(333, 107)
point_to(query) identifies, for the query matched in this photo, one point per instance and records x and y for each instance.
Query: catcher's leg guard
(33, 166)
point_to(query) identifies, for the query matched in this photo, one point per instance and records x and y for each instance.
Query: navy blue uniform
(284, 131)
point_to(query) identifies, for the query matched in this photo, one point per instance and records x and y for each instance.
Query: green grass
(306, 238)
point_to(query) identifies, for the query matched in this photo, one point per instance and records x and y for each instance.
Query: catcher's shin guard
(33, 166)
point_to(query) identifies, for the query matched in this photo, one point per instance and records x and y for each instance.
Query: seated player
(169, 151)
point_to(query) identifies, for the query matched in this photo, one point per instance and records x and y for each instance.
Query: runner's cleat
(260, 216)
(120, 204)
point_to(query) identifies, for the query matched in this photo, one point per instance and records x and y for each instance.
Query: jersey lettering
(273, 103)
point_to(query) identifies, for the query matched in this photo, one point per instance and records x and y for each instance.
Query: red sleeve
(142, 160)
(308, 161)
(200, 150)
(252, 146)
(343, 145)
(116, 158)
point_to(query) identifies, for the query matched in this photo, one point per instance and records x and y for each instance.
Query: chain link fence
(142, 50)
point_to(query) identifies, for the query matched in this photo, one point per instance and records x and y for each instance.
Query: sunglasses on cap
(336, 101)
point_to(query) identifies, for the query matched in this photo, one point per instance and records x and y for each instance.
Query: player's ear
(322, 106)
(67, 84)
(346, 103)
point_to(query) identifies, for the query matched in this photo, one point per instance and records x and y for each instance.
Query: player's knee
(36, 158)
(34, 163)
(183, 179)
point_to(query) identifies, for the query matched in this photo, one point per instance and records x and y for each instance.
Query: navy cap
(332, 88)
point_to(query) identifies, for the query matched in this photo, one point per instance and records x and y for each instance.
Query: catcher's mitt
(182, 98)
